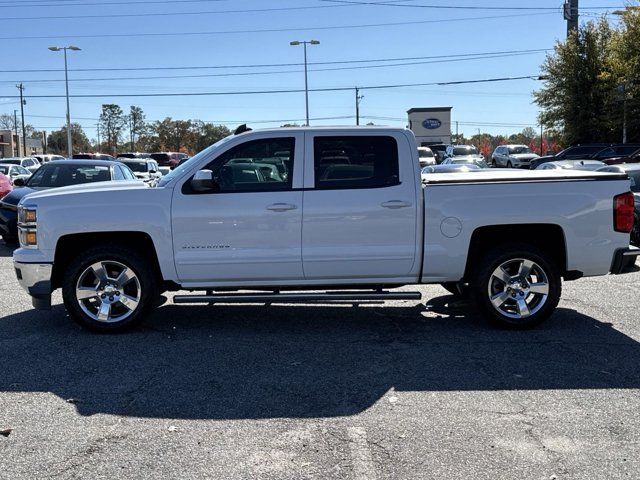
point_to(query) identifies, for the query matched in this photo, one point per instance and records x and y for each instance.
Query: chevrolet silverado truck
(319, 215)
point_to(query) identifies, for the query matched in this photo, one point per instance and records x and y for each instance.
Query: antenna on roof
(241, 129)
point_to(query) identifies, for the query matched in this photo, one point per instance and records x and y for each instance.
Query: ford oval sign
(432, 123)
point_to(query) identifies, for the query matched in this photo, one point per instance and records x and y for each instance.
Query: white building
(431, 125)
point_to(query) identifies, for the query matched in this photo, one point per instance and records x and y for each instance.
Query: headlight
(27, 230)
(27, 215)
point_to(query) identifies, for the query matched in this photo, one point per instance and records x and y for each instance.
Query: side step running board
(324, 297)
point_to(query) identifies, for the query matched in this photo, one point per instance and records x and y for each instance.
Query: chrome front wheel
(108, 291)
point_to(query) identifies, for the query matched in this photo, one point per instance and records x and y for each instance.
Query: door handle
(395, 204)
(281, 207)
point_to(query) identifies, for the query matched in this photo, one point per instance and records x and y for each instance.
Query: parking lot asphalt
(408, 391)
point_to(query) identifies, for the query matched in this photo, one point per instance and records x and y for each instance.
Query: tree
(7, 122)
(174, 135)
(112, 122)
(578, 93)
(137, 124)
(207, 134)
(57, 140)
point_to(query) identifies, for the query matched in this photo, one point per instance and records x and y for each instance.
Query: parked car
(632, 170)
(579, 152)
(439, 150)
(617, 154)
(14, 172)
(164, 170)
(477, 161)
(169, 159)
(450, 168)
(5, 186)
(46, 158)
(508, 236)
(146, 170)
(426, 156)
(93, 156)
(30, 163)
(512, 156)
(134, 155)
(572, 165)
(54, 175)
(462, 151)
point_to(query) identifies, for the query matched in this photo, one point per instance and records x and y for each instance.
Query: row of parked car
(24, 175)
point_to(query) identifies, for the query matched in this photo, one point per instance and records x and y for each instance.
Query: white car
(14, 172)
(462, 152)
(46, 158)
(513, 156)
(30, 163)
(144, 169)
(590, 165)
(426, 157)
(237, 224)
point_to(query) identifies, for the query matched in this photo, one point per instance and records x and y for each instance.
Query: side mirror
(203, 181)
(19, 182)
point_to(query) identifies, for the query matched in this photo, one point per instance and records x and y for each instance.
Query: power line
(454, 7)
(272, 30)
(39, 3)
(282, 91)
(274, 65)
(386, 65)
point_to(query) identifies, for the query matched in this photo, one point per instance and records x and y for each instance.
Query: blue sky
(442, 32)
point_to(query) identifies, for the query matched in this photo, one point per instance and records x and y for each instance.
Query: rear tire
(516, 286)
(635, 233)
(109, 289)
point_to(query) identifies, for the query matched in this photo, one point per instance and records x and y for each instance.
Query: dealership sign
(432, 124)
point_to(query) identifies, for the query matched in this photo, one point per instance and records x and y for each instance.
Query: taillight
(623, 205)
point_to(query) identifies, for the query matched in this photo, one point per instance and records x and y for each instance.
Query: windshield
(635, 181)
(425, 153)
(183, 167)
(462, 151)
(4, 169)
(11, 161)
(54, 175)
(137, 166)
(519, 149)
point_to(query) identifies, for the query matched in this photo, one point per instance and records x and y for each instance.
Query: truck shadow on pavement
(249, 362)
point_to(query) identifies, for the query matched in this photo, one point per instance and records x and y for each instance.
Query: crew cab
(319, 215)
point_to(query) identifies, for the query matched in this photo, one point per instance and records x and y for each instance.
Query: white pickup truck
(317, 215)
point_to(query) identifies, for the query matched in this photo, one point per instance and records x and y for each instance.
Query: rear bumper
(35, 278)
(624, 260)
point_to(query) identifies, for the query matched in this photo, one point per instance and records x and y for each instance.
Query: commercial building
(430, 125)
(11, 145)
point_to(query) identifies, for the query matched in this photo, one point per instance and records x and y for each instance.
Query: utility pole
(131, 132)
(358, 98)
(541, 138)
(24, 136)
(457, 141)
(16, 148)
(98, 146)
(571, 15)
(306, 73)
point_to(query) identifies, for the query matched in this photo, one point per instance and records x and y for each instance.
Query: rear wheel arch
(547, 237)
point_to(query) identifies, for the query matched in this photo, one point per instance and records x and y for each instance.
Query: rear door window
(355, 162)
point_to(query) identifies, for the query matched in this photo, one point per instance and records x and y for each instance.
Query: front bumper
(35, 278)
(624, 260)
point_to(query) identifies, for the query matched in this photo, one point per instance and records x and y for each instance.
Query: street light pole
(66, 82)
(306, 72)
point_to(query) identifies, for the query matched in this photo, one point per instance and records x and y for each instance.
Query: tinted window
(460, 151)
(519, 149)
(136, 166)
(55, 175)
(128, 174)
(117, 173)
(355, 162)
(256, 166)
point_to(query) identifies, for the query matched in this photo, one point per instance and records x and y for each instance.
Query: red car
(617, 154)
(5, 185)
(169, 159)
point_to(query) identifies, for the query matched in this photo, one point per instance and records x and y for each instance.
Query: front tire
(635, 233)
(109, 289)
(517, 286)
(457, 289)
(509, 164)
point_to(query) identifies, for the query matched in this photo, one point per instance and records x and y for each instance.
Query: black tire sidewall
(480, 283)
(128, 257)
